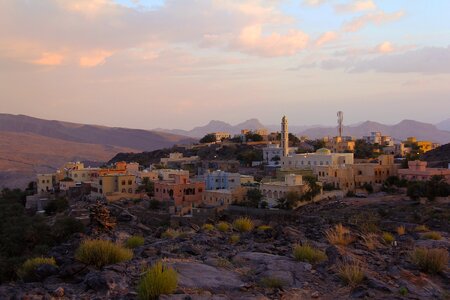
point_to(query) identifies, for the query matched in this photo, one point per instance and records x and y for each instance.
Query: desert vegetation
(100, 253)
(157, 280)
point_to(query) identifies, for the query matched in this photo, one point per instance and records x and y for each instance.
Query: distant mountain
(400, 131)
(444, 125)
(30, 145)
(215, 126)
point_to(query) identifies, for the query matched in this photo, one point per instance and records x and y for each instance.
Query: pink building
(417, 170)
(184, 193)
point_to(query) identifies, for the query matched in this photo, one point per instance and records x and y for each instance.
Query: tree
(254, 197)
(56, 205)
(289, 201)
(364, 149)
(209, 138)
(313, 188)
(253, 137)
(147, 186)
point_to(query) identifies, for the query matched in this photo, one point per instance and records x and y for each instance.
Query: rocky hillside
(439, 157)
(260, 264)
(30, 145)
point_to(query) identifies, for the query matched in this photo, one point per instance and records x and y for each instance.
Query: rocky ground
(211, 266)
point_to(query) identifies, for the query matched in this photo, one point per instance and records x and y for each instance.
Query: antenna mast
(340, 120)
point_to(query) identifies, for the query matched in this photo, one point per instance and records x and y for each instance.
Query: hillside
(400, 131)
(439, 157)
(31, 145)
(22, 155)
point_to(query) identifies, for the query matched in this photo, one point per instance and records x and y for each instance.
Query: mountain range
(399, 132)
(30, 145)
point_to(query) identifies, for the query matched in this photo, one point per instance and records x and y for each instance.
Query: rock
(123, 217)
(202, 276)
(59, 292)
(44, 271)
(378, 285)
(190, 249)
(71, 269)
(333, 254)
(106, 280)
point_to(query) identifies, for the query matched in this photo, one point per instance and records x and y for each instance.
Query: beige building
(418, 171)
(350, 177)
(223, 198)
(45, 183)
(219, 136)
(272, 191)
(178, 159)
(322, 157)
(340, 145)
(115, 186)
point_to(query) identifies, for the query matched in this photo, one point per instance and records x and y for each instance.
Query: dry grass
(264, 228)
(432, 235)
(171, 233)
(401, 230)
(272, 283)
(388, 237)
(351, 273)
(30, 265)
(235, 238)
(308, 253)
(134, 241)
(421, 228)
(339, 235)
(430, 260)
(370, 240)
(100, 253)
(243, 224)
(158, 280)
(208, 227)
(223, 226)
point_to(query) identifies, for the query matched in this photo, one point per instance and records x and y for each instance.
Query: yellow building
(45, 183)
(115, 186)
(423, 146)
(339, 145)
(309, 161)
(354, 176)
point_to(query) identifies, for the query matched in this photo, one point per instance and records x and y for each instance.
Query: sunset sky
(180, 63)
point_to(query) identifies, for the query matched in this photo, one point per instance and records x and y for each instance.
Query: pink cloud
(356, 6)
(326, 37)
(49, 59)
(94, 58)
(385, 47)
(377, 18)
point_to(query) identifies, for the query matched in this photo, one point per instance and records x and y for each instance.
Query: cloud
(377, 18)
(356, 6)
(94, 58)
(49, 59)
(326, 37)
(251, 40)
(428, 60)
(385, 47)
(314, 2)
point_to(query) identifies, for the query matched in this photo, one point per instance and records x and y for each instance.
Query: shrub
(272, 282)
(66, 226)
(100, 253)
(264, 228)
(170, 233)
(208, 227)
(430, 260)
(158, 280)
(243, 224)
(403, 291)
(339, 235)
(433, 235)
(308, 253)
(56, 205)
(387, 237)
(223, 226)
(421, 228)
(401, 230)
(370, 241)
(134, 241)
(30, 265)
(235, 238)
(351, 273)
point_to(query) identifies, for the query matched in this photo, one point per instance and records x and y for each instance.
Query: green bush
(308, 253)
(158, 280)
(272, 283)
(30, 265)
(100, 253)
(388, 237)
(235, 238)
(223, 226)
(430, 260)
(208, 227)
(57, 205)
(65, 227)
(171, 233)
(243, 224)
(134, 241)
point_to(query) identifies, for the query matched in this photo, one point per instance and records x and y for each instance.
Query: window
(123, 182)
(130, 182)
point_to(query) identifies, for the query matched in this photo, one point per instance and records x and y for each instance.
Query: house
(418, 171)
(272, 191)
(322, 157)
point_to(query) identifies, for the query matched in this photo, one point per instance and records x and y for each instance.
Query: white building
(221, 180)
(272, 191)
(273, 152)
(322, 157)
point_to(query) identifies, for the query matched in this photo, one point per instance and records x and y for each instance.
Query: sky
(181, 63)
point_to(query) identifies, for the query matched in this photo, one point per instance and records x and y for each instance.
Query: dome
(323, 151)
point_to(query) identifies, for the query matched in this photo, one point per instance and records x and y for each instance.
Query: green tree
(254, 197)
(209, 138)
(253, 137)
(57, 205)
(289, 201)
(313, 188)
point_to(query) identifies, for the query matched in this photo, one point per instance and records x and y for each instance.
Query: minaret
(284, 136)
